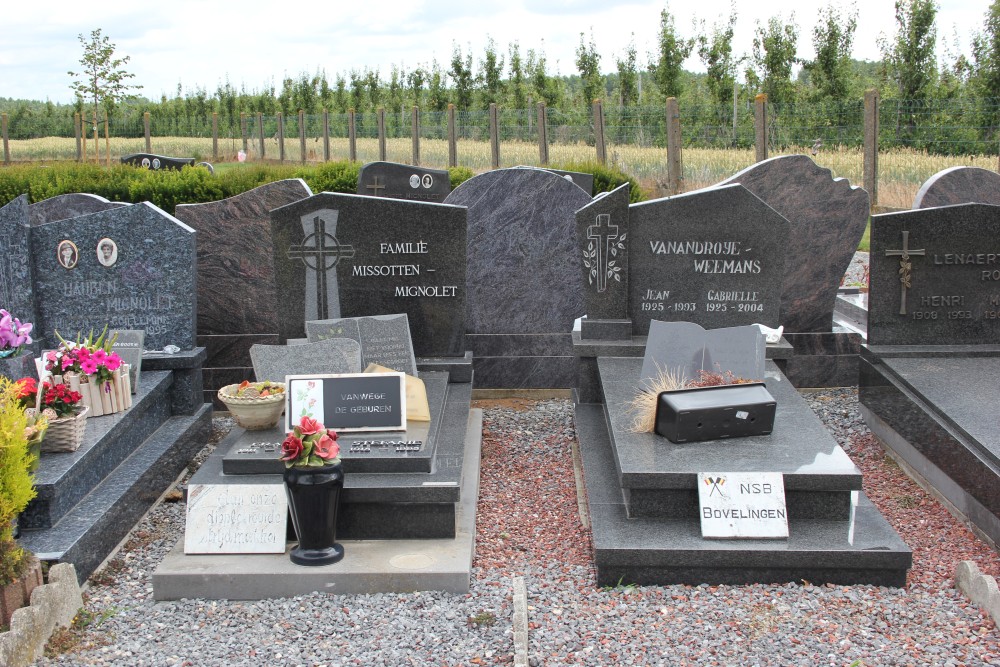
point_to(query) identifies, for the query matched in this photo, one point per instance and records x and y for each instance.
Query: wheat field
(901, 172)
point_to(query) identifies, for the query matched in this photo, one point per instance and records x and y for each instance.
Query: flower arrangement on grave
(94, 370)
(310, 444)
(14, 334)
(256, 406)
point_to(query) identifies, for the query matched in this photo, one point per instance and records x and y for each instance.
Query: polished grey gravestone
(581, 178)
(715, 257)
(602, 235)
(403, 181)
(16, 284)
(928, 371)
(334, 355)
(827, 218)
(70, 205)
(157, 162)
(341, 255)
(236, 281)
(524, 269)
(384, 339)
(959, 185)
(150, 283)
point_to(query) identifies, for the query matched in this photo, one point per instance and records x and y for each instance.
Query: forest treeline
(959, 93)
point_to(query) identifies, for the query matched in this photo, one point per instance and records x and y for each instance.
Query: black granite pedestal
(643, 499)
(935, 407)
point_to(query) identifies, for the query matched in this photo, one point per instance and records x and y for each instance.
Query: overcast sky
(199, 43)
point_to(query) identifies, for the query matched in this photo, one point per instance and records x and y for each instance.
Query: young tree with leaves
(490, 77)
(715, 50)
(774, 47)
(672, 51)
(628, 77)
(103, 80)
(461, 76)
(588, 63)
(909, 60)
(830, 71)
(517, 88)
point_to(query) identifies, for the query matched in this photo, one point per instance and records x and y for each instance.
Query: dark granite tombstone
(157, 162)
(959, 185)
(236, 282)
(928, 374)
(384, 339)
(523, 276)
(827, 219)
(714, 257)
(339, 255)
(602, 235)
(403, 181)
(335, 355)
(150, 284)
(62, 207)
(935, 277)
(16, 284)
(582, 179)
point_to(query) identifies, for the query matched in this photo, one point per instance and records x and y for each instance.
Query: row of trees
(909, 71)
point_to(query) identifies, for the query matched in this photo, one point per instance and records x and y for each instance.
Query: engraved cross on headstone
(604, 233)
(375, 187)
(321, 252)
(904, 268)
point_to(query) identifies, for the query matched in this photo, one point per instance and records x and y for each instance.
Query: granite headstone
(157, 162)
(403, 181)
(16, 284)
(384, 339)
(334, 355)
(524, 261)
(959, 185)
(602, 235)
(827, 218)
(341, 255)
(62, 207)
(935, 277)
(150, 285)
(714, 257)
(584, 180)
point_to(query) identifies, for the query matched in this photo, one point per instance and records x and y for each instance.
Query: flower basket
(254, 413)
(66, 434)
(103, 398)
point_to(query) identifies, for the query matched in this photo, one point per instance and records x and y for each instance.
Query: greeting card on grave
(348, 401)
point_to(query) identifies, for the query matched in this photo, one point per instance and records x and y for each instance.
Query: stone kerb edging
(981, 589)
(52, 605)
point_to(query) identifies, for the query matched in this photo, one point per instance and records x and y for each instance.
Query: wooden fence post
(243, 132)
(760, 126)
(6, 140)
(281, 136)
(302, 136)
(260, 131)
(326, 135)
(145, 130)
(674, 168)
(494, 136)
(215, 136)
(415, 132)
(870, 168)
(381, 133)
(543, 134)
(107, 141)
(602, 151)
(77, 127)
(452, 138)
(97, 141)
(352, 136)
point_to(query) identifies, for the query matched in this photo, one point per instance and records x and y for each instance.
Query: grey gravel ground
(528, 526)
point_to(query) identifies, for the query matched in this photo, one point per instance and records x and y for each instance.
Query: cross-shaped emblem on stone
(375, 187)
(604, 233)
(904, 268)
(321, 252)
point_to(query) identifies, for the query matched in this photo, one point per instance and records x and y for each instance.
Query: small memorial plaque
(742, 505)
(128, 345)
(348, 401)
(236, 519)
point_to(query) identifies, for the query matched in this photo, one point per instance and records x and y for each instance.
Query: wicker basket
(66, 434)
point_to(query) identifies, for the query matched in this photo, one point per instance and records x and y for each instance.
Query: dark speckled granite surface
(959, 185)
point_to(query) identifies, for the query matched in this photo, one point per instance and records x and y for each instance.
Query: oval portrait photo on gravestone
(107, 252)
(67, 254)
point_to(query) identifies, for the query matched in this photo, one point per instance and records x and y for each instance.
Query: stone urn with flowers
(314, 479)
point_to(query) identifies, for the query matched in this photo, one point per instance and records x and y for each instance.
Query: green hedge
(193, 185)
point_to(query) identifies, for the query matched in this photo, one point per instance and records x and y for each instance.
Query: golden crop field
(901, 172)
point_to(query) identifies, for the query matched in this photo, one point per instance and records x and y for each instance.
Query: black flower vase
(313, 500)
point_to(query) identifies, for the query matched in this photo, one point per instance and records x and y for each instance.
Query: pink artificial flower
(88, 366)
(51, 355)
(100, 356)
(67, 362)
(291, 448)
(326, 447)
(113, 362)
(82, 353)
(308, 426)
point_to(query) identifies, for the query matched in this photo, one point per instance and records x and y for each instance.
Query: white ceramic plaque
(742, 505)
(236, 519)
